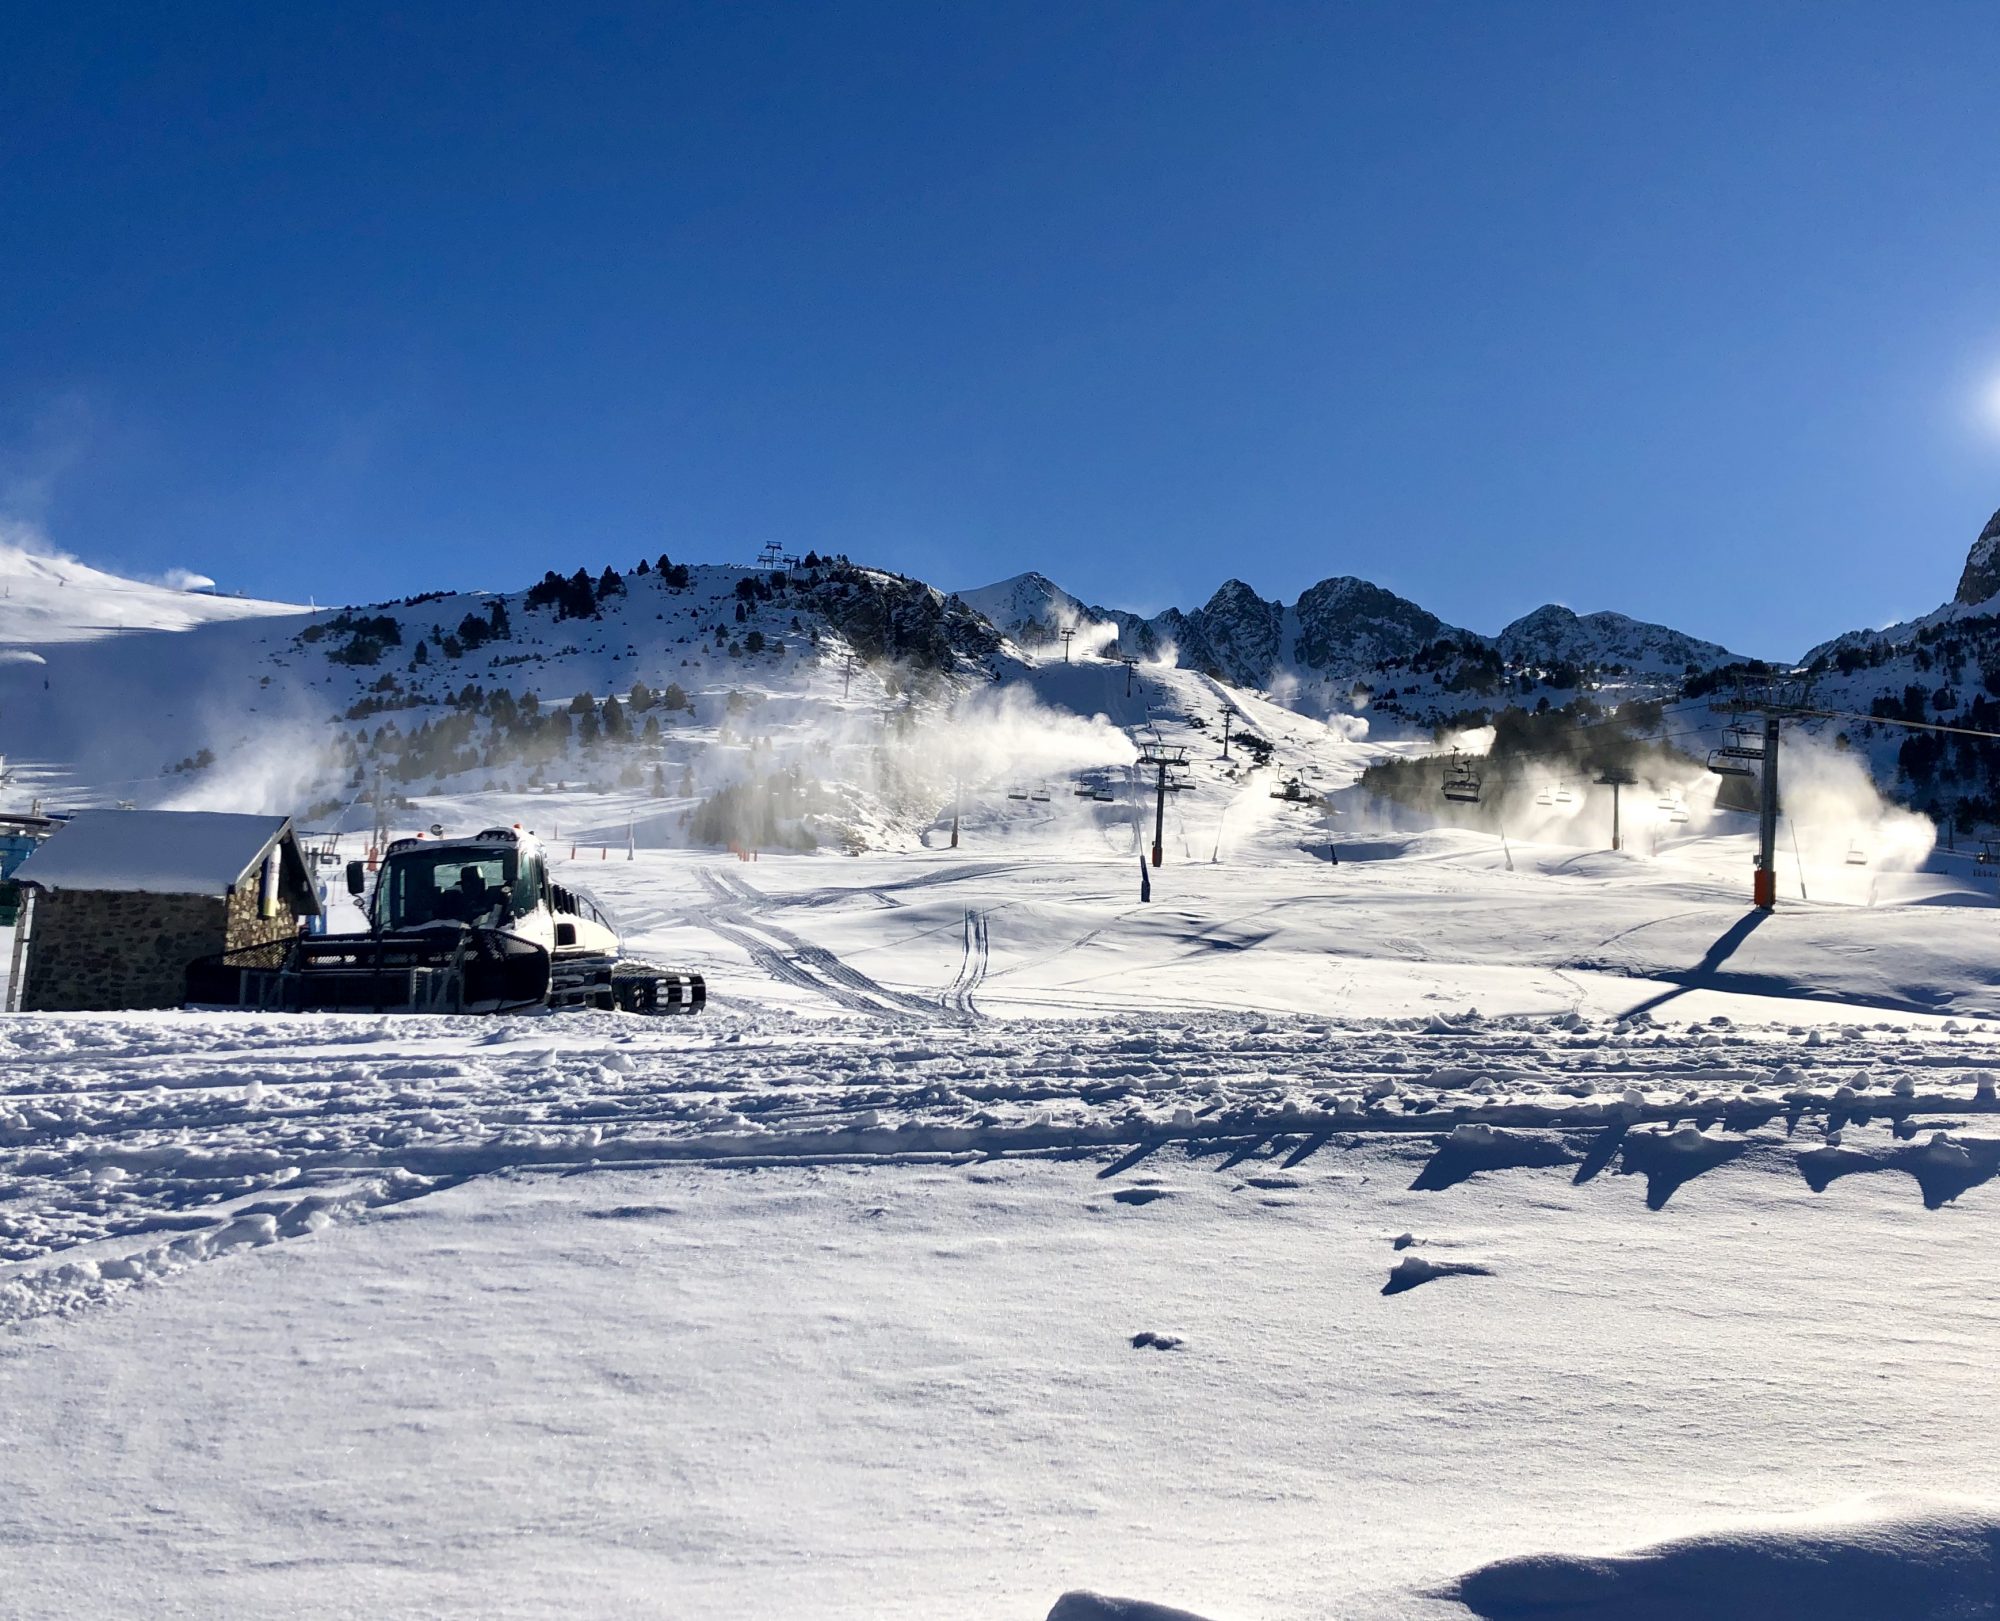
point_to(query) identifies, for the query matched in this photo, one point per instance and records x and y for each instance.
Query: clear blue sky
(1690, 310)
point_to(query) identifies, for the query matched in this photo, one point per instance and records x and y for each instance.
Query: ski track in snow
(132, 1147)
(736, 916)
(957, 997)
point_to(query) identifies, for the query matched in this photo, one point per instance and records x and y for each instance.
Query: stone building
(123, 901)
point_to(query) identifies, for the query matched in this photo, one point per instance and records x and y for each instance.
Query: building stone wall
(93, 951)
(247, 928)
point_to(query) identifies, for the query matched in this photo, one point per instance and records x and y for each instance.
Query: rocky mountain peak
(1981, 580)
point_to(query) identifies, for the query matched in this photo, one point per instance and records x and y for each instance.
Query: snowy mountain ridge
(1345, 632)
(457, 689)
(47, 597)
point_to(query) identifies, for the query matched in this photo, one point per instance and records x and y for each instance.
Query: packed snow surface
(1308, 1240)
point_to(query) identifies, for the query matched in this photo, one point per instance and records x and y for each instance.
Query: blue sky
(1689, 311)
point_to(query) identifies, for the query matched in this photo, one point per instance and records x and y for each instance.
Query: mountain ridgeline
(1348, 645)
(676, 678)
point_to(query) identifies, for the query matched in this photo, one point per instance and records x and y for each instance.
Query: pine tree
(641, 697)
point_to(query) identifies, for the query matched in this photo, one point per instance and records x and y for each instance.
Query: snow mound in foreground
(1096, 1607)
(1916, 1561)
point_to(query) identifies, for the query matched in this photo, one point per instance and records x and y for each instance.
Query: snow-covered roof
(154, 852)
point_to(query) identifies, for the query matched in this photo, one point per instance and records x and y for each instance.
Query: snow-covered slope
(679, 682)
(49, 598)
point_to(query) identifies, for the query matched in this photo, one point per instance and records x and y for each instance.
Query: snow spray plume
(275, 765)
(1839, 818)
(1093, 637)
(995, 737)
(872, 775)
(1835, 828)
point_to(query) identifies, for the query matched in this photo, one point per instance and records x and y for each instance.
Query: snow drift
(1916, 1561)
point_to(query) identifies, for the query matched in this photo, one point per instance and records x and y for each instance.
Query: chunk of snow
(1082, 1606)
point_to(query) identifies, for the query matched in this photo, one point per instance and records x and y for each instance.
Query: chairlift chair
(1041, 798)
(1021, 793)
(1741, 756)
(1679, 812)
(1563, 795)
(1856, 856)
(1547, 796)
(1461, 782)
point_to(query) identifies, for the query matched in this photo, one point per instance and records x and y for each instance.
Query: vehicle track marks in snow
(787, 957)
(957, 997)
